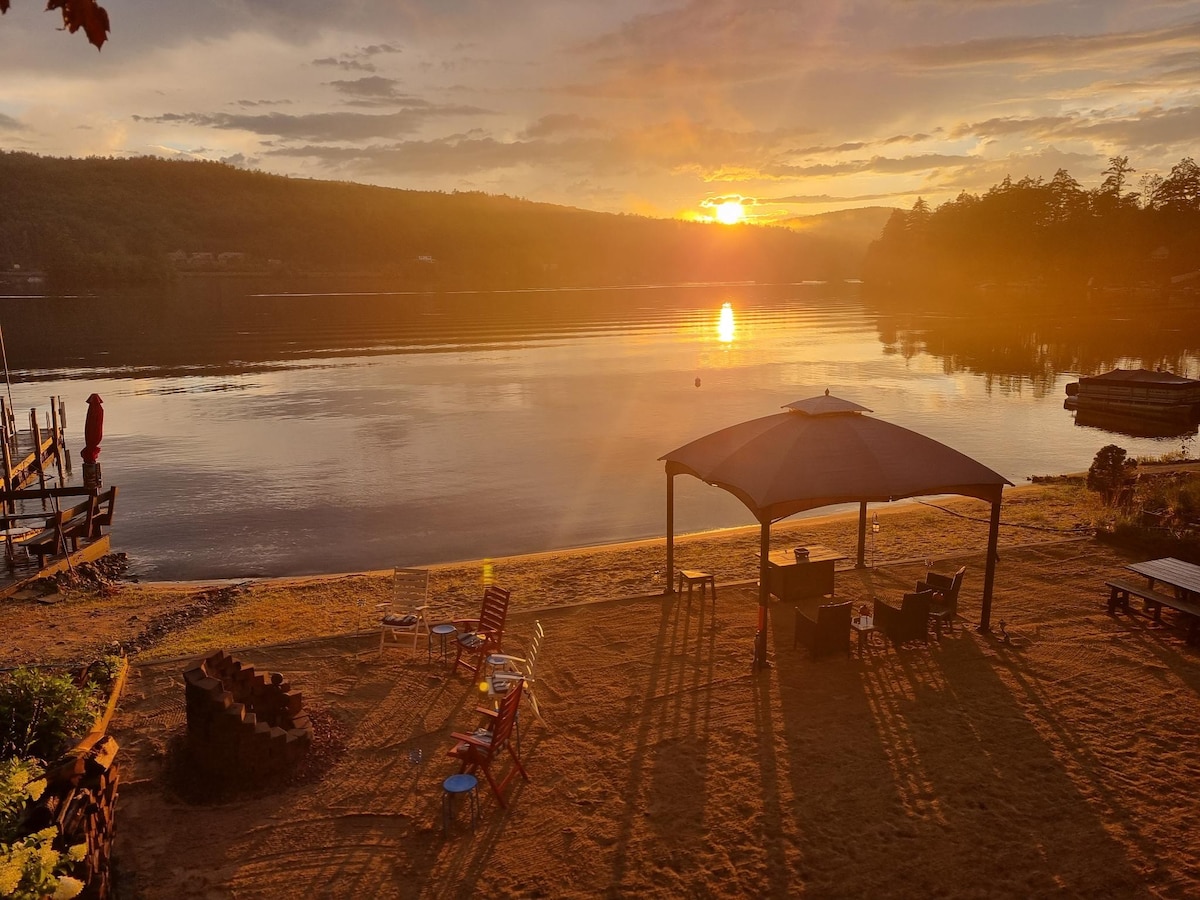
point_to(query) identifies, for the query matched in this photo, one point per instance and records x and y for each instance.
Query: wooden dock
(46, 525)
(25, 570)
(29, 453)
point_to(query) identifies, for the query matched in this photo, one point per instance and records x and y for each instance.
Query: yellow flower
(77, 852)
(10, 876)
(68, 887)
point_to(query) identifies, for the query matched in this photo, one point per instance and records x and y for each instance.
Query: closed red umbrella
(93, 429)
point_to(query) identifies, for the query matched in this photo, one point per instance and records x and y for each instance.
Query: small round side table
(442, 632)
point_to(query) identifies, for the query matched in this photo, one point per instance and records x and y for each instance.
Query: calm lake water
(255, 431)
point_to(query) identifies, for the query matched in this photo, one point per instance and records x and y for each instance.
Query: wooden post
(62, 421)
(5, 437)
(8, 477)
(36, 431)
(57, 437)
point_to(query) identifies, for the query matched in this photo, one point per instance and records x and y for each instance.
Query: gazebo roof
(824, 451)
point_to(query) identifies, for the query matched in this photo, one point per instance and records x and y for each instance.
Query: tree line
(102, 221)
(1049, 234)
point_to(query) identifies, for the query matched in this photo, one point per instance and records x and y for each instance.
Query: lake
(259, 429)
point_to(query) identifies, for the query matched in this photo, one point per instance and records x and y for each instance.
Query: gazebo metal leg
(764, 596)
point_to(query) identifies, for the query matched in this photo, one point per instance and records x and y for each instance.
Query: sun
(730, 212)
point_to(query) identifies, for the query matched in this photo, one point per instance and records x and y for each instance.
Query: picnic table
(1183, 580)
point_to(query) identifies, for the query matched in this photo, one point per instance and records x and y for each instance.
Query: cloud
(350, 65)
(375, 90)
(241, 161)
(8, 123)
(1065, 50)
(824, 199)
(561, 123)
(335, 126)
(250, 104)
(875, 165)
(455, 154)
(1144, 129)
(359, 59)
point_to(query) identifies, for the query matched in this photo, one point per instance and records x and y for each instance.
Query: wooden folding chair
(482, 748)
(505, 671)
(477, 638)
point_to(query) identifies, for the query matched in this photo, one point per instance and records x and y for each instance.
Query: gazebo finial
(825, 405)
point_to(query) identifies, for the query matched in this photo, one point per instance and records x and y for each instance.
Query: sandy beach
(1052, 756)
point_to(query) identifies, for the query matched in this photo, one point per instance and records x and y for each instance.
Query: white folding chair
(404, 614)
(505, 670)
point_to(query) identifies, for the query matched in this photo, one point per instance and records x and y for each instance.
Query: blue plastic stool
(453, 786)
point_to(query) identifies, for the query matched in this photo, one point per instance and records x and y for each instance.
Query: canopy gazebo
(821, 452)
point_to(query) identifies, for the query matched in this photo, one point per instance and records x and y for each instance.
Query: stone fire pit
(241, 724)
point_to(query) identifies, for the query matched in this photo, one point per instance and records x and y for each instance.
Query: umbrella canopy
(823, 451)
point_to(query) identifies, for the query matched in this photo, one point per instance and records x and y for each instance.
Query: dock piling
(36, 431)
(57, 437)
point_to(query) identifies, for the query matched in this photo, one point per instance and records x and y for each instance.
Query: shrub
(41, 714)
(30, 867)
(102, 674)
(1112, 475)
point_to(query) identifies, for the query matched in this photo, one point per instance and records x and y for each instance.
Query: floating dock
(1137, 392)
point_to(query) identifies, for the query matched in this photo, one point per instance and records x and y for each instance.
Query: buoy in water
(697, 382)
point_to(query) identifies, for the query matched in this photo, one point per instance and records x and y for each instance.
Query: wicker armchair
(943, 608)
(828, 633)
(908, 623)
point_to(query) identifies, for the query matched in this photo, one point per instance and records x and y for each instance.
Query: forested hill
(1035, 234)
(100, 221)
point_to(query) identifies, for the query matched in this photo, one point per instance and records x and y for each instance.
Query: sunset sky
(656, 108)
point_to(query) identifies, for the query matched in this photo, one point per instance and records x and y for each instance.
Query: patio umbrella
(824, 451)
(93, 429)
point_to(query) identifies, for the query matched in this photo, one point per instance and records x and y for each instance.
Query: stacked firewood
(80, 800)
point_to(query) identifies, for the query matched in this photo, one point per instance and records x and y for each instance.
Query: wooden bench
(65, 527)
(103, 515)
(1120, 590)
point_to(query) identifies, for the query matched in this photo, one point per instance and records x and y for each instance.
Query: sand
(1055, 756)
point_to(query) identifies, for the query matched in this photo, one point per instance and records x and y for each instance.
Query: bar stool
(453, 786)
(691, 577)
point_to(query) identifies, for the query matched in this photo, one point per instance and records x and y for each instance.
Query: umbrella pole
(764, 594)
